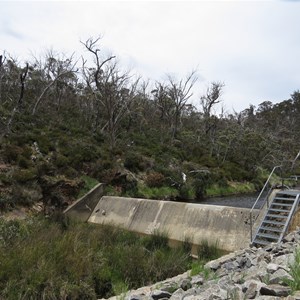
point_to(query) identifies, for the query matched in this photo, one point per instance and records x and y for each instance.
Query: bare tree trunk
(39, 99)
(19, 103)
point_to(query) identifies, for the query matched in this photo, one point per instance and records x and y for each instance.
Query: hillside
(65, 127)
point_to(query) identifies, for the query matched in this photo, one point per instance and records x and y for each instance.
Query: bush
(61, 161)
(11, 153)
(186, 192)
(25, 175)
(24, 162)
(26, 196)
(6, 203)
(134, 162)
(155, 179)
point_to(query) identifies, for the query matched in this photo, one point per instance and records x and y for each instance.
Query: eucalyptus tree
(113, 90)
(179, 92)
(171, 99)
(52, 73)
(207, 103)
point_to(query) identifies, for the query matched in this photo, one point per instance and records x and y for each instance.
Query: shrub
(61, 161)
(11, 153)
(186, 192)
(25, 175)
(134, 162)
(26, 196)
(24, 162)
(6, 203)
(155, 179)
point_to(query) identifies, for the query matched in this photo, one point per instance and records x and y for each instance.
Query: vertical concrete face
(226, 225)
(83, 207)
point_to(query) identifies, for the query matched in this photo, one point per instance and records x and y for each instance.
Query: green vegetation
(89, 183)
(64, 128)
(205, 252)
(232, 188)
(41, 259)
(295, 272)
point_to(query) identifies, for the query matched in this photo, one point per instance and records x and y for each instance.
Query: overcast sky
(251, 46)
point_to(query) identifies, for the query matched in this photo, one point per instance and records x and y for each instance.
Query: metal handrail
(267, 198)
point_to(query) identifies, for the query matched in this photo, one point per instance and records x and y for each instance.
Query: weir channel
(226, 225)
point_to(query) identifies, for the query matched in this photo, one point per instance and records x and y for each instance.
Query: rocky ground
(252, 273)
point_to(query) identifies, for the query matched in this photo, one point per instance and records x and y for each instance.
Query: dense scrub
(61, 123)
(42, 259)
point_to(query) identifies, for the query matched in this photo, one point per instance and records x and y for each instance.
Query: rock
(159, 294)
(136, 297)
(239, 275)
(279, 276)
(197, 280)
(296, 295)
(235, 293)
(213, 265)
(186, 284)
(271, 268)
(275, 290)
(169, 287)
(252, 290)
(238, 278)
(178, 295)
(231, 265)
(289, 238)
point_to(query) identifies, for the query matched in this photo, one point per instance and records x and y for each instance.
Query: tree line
(125, 114)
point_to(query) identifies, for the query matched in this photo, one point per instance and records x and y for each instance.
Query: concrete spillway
(227, 225)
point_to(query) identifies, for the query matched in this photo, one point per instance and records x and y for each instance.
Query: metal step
(276, 216)
(279, 210)
(282, 204)
(268, 236)
(273, 222)
(293, 193)
(284, 199)
(260, 242)
(273, 229)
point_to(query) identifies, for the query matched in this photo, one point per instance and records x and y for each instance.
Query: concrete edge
(82, 208)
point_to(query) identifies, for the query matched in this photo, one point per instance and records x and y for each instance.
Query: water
(243, 201)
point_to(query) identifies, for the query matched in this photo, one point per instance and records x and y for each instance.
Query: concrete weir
(228, 226)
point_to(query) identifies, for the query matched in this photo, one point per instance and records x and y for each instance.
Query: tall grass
(41, 259)
(295, 272)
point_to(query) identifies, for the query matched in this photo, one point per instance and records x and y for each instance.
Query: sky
(253, 47)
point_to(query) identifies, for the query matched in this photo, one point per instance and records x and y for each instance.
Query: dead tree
(180, 92)
(55, 70)
(19, 103)
(208, 101)
(112, 90)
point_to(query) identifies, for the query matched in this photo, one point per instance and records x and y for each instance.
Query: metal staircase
(277, 218)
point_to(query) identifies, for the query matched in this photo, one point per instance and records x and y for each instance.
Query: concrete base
(228, 226)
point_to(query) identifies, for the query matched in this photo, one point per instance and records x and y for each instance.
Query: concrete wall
(227, 225)
(83, 207)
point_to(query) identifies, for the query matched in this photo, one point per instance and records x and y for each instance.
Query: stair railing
(258, 198)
